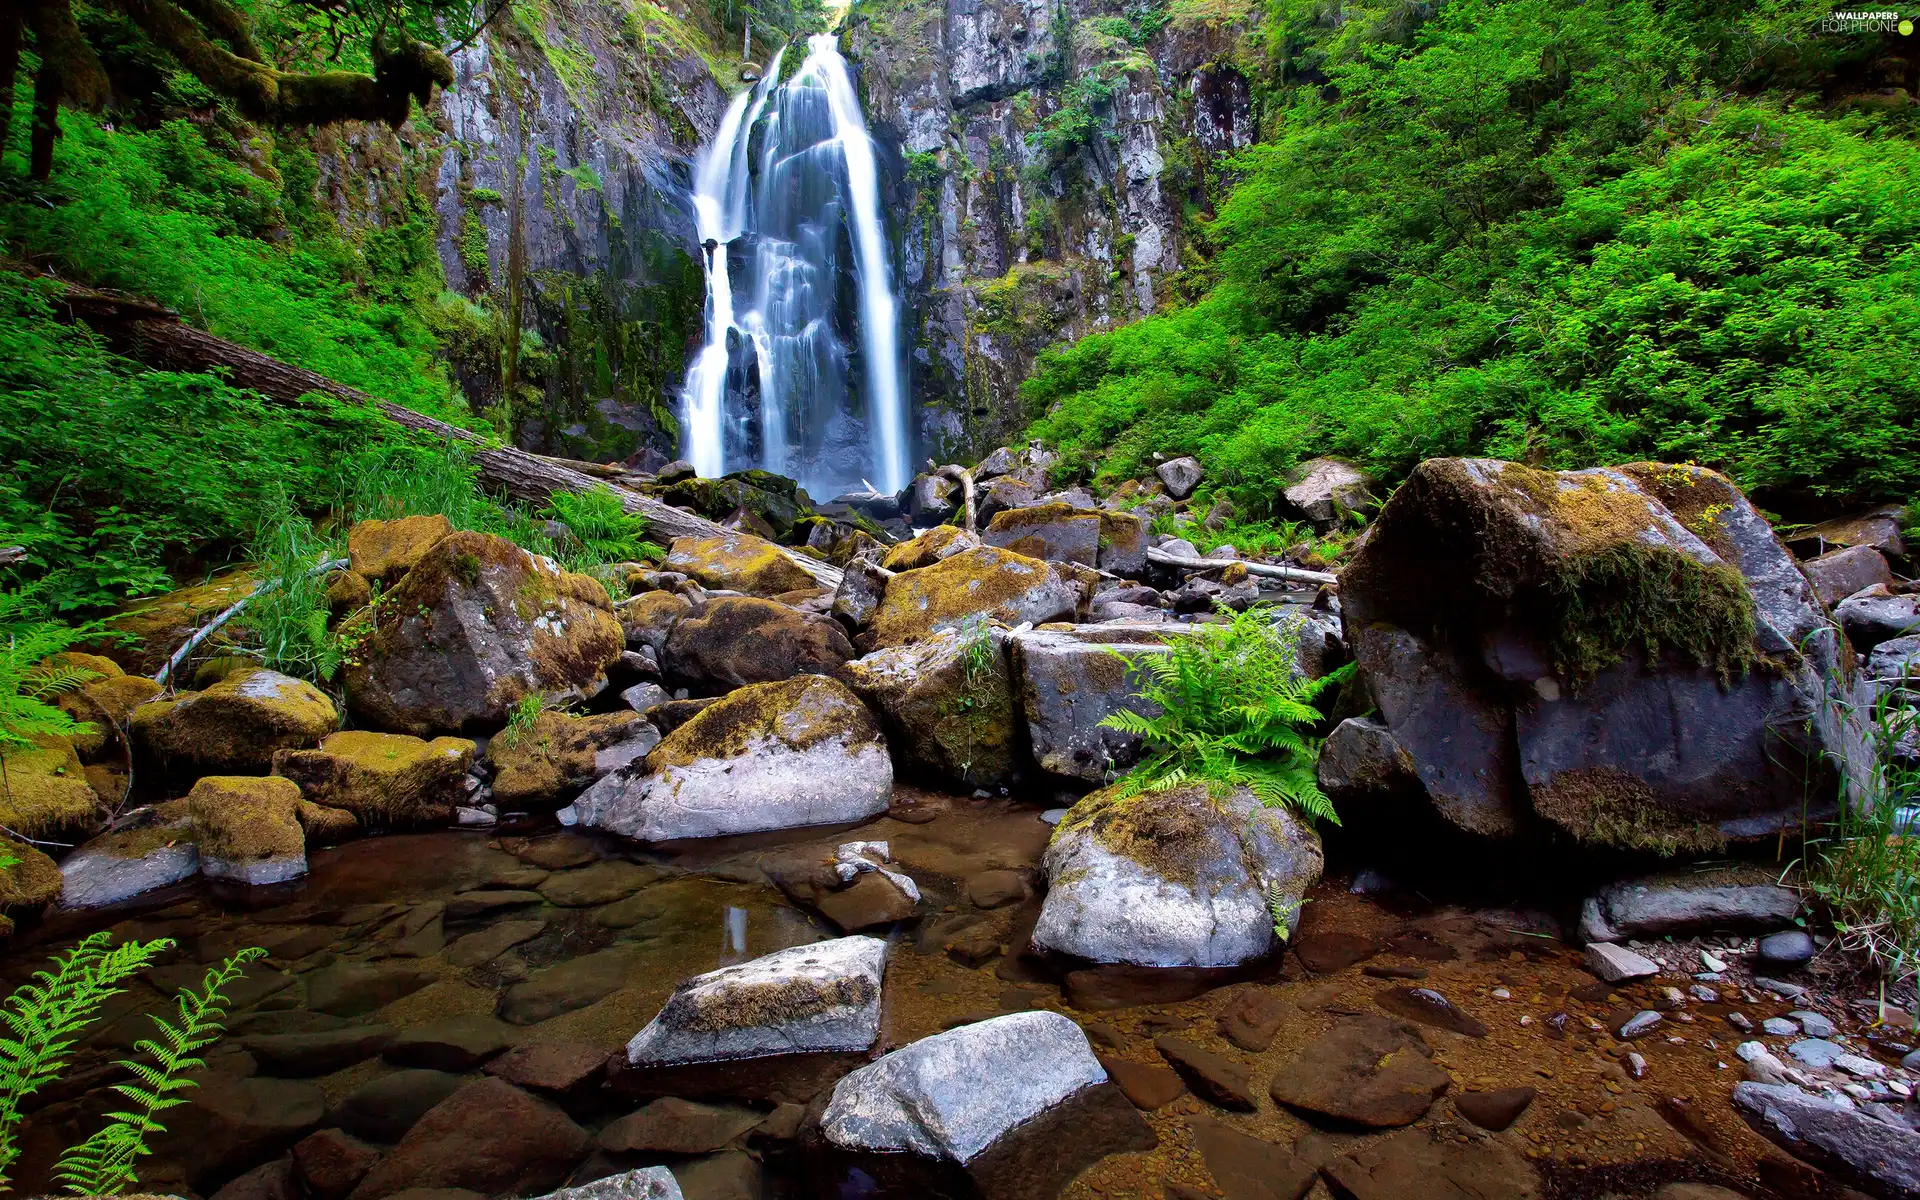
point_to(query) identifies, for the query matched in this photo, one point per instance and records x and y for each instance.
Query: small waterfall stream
(801, 371)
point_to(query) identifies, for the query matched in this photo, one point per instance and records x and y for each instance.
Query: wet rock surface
(1367, 1071)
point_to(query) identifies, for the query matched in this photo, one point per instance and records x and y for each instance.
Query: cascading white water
(773, 385)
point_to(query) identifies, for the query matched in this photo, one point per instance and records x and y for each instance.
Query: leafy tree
(214, 42)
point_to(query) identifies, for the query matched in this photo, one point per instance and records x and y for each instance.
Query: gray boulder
(1068, 683)
(1877, 615)
(823, 997)
(1495, 606)
(1180, 476)
(1017, 1103)
(1175, 878)
(862, 585)
(1896, 663)
(930, 499)
(1878, 1157)
(1054, 532)
(119, 866)
(1838, 574)
(804, 751)
(1326, 490)
(948, 704)
(1360, 762)
(647, 1183)
(1735, 898)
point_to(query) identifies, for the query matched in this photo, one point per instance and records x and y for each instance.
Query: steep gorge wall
(1054, 157)
(597, 107)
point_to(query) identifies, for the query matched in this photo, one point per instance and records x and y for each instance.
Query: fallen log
(156, 336)
(1288, 574)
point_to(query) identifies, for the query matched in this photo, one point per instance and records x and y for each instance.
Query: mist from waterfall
(801, 372)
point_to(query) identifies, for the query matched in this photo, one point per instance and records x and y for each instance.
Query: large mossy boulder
(738, 562)
(1638, 635)
(772, 499)
(923, 550)
(30, 884)
(948, 705)
(1178, 878)
(44, 793)
(767, 756)
(1056, 532)
(386, 550)
(647, 620)
(551, 761)
(986, 583)
(234, 726)
(732, 641)
(248, 828)
(104, 703)
(386, 780)
(160, 625)
(477, 625)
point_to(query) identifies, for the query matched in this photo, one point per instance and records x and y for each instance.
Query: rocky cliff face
(584, 116)
(1053, 155)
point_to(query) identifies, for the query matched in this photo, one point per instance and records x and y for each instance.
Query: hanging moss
(1605, 604)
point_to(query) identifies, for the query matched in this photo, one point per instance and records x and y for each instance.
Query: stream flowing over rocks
(809, 865)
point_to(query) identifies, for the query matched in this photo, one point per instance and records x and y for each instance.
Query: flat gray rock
(1616, 964)
(1683, 903)
(1875, 1156)
(1817, 1052)
(112, 869)
(822, 997)
(648, 1183)
(950, 1096)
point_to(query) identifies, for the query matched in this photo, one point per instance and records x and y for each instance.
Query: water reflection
(733, 948)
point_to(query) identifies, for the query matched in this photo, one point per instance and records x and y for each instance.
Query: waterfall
(801, 371)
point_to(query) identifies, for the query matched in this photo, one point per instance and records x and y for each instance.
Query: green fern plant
(607, 533)
(43, 1019)
(1235, 711)
(104, 1163)
(27, 682)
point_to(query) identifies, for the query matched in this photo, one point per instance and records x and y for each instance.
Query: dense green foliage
(1234, 711)
(1557, 232)
(28, 682)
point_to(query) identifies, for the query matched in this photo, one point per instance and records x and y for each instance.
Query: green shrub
(1537, 229)
(1235, 711)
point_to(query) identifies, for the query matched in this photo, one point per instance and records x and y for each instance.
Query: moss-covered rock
(31, 883)
(736, 640)
(948, 706)
(235, 726)
(385, 780)
(548, 763)
(324, 826)
(768, 498)
(386, 550)
(474, 627)
(934, 545)
(984, 583)
(248, 828)
(1639, 633)
(647, 620)
(738, 562)
(116, 867)
(105, 704)
(160, 625)
(1177, 878)
(1056, 532)
(1123, 544)
(348, 592)
(1070, 680)
(44, 792)
(766, 756)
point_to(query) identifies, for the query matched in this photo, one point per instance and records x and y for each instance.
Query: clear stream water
(801, 371)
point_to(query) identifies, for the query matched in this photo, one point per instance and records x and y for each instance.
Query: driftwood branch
(227, 614)
(155, 336)
(11, 554)
(1288, 574)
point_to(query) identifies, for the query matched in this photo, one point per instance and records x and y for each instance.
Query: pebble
(1501, 994)
(1704, 994)
(1711, 963)
(1856, 1091)
(1791, 948)
(1641, 1022)
(1854, 1064)
(1815, 1024)
(1900, 1088)
(1052, 816)
(474, 816)
(1636, 1065)
(1780, 1027)
(1617, 964)
(1739, 1021)
(1780, 987)
(1912, 1061)
(1816, 1052)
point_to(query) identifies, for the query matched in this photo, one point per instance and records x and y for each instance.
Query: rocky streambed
(452, 1010)
(801, 871)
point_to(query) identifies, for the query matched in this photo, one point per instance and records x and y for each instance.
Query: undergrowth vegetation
(1235, 710)
(1562, 233)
